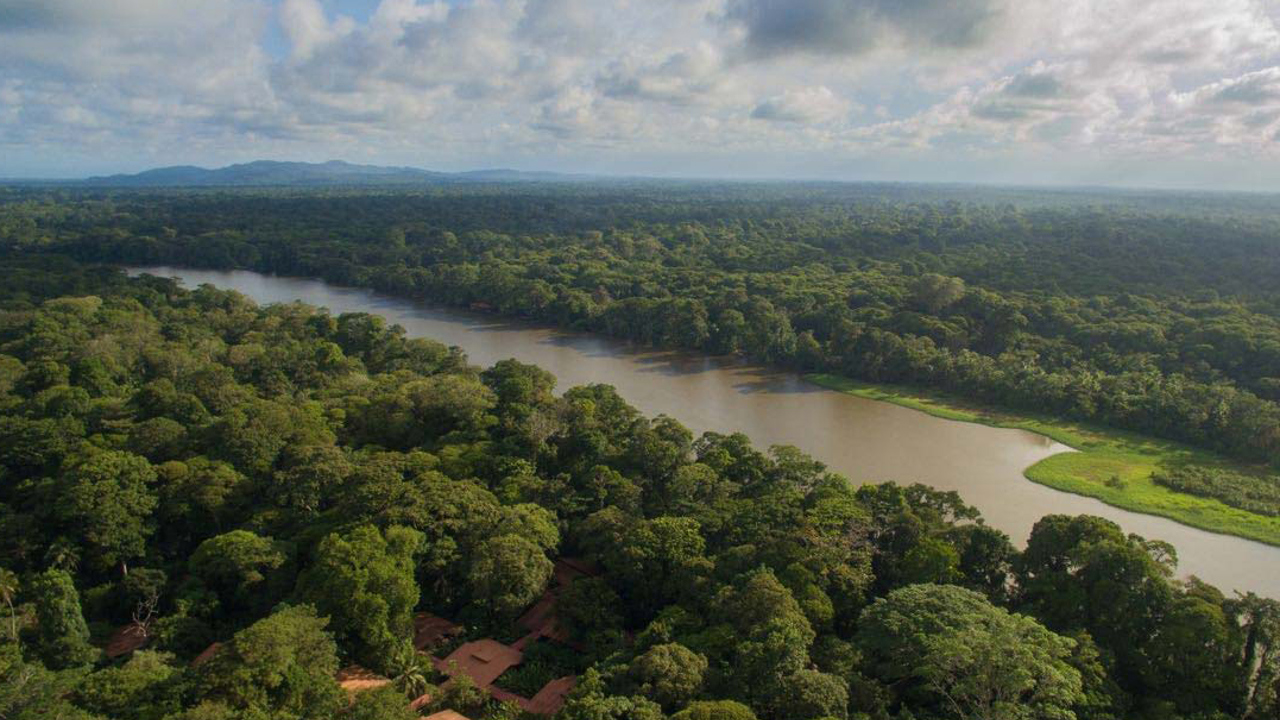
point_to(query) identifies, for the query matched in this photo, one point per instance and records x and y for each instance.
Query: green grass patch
(1113, 466)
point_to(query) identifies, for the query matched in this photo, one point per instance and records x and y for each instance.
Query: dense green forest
(1155, 313)
(295, 486)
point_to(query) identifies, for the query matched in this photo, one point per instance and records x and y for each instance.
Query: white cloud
(685, 77)
(703, 84)
(802, 105)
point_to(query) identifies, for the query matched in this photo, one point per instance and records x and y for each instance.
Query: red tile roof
(354, 679)
(447, 715)
(551, 697)
(125, 640)
(206, 655)
(482, 660)
(428, 630)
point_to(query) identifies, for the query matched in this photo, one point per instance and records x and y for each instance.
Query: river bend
(865, 440)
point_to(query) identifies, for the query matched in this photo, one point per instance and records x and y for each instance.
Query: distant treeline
(1149, 314)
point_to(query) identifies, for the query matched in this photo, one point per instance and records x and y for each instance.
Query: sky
(1155, 93)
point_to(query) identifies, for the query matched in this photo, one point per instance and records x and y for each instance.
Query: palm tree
(407, 672)
(63, 555)
(8, 591)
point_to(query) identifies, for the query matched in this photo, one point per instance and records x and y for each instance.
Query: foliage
(363, 582)
(147, 687)
(508, 573)
(590, 700)
(715, 710)
(62, 635)
(1119, 468)
(282, 665)
(235, 565)
(1137, 312)
(669, 674)
(335, 462)
(948, 648)
(384, 703)
(543, 662)
(1248, 492)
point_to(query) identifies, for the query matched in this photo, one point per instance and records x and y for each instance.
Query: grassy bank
(1111, 465)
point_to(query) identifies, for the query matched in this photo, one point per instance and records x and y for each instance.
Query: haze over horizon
(1133, 93)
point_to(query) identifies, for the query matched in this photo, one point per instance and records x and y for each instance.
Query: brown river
(865, 440)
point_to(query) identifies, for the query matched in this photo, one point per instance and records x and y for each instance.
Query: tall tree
(108, 497)
(507, 573)
(949, 649)
(281, 667)
(62, 633)
(364, 582)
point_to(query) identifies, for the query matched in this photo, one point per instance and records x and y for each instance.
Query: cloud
(1259, 88)
(307, 27)
(853, 27)
(698, 84)
(1036, 91)
(1241, 112)
(804, 105)
(107, 74)
(682, 78)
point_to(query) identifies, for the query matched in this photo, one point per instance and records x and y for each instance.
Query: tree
(383, 703)
(931, 560)
(669, 674)
(652, 561)
(364, 581)
(767, 634)
(460, 694)
(507, 573)
(589, 700)
(1084, 573)
(29, 690)
(533, 522)
(519, 387)
(196, 496)
(310, 476)
(147, 687)
(9, 587)
(281, 666)
(808, 695)
(236, 566)
(157, 439)
(589, 607)
(409, 671)
(63, 634)
(1260, 619)
(933, 292)
(715, 710)
(948, 648)
(986, 557)
(107, 496)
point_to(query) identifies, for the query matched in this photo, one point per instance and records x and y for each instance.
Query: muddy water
(865, 440)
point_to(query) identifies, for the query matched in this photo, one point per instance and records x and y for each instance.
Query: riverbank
(1110, 465)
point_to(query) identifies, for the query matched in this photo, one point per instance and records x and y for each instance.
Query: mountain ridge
(332, 172)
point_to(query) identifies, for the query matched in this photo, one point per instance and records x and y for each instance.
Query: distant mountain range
(334, 172)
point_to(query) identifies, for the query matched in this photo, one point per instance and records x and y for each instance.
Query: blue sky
(276, 42)
(1181, 93)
